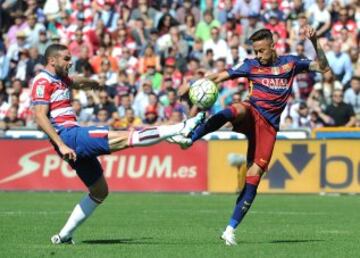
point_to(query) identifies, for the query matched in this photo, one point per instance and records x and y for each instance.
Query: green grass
(181, 225)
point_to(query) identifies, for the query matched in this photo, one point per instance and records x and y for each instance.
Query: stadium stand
(142, 51)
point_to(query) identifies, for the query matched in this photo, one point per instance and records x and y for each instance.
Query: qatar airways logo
(275, 83)
(122, 166)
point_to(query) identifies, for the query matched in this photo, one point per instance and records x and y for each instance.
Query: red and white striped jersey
(49, 89)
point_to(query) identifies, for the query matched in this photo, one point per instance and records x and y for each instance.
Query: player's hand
(310, 32)
(67, 153)
(183, 89)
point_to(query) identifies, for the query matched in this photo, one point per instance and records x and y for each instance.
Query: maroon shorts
(260, 134)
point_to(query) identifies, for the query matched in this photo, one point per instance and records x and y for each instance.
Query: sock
(80, 213)
(152, 135)
(244, 200)
(214, 123)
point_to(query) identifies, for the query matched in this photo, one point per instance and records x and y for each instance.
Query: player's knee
(99, 195)
(99, 191)
(255, 170)
(239, 109)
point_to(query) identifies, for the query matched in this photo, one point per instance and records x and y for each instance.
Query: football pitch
(181, 225)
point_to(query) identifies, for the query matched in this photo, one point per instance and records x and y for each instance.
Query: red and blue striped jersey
(270, 86)
(51, 90)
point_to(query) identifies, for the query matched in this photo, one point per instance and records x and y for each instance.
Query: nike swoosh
(28, 166)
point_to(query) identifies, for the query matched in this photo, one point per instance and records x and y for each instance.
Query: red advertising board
(34, 165)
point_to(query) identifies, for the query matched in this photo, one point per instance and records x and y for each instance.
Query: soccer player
(80, 146)
(258, 117)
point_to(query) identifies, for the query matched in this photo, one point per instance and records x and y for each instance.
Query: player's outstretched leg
(212, 124)
(153, 135)
(82, 211)
(243, 204)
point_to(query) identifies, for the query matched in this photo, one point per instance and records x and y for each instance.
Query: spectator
(188, 9)
(78, 44)
(340, 63)
(11, 120)
(245, 8)
(165, 23)
(338, 113)
(101, 55)
(170, 71)
(177, 115)
(141, 100)
(4, 65)
(125, 103)
(188, 29)
(4, 105)
(275, 25)
(174, 103)
(344, 22)
(273, 11)
(303, 83)
(216, 44)
(110, 76)
(328, 84)
(82, 116)
(320, 18)
(355, 60)
(19, 26)
(204, 27)
(101, 118)
(34, 59)
(145, 12)
(108, 15)
(151, 116)
(316, 99)
(302, 118)
(139, 33)
(44, 42)
(130, 120)
(20, 44)
(226, 12)
(104, 104)
(150, 59)
(352, 95)
(164, 9)
(33, 29)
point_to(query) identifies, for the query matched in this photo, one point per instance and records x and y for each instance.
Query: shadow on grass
(284, 241)
(133, 241)
(295, 241)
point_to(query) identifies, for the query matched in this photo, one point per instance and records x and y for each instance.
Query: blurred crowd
(142, 51)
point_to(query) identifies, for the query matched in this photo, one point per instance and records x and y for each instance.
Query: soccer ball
(203, 93)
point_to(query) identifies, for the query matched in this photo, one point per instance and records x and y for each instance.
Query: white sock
(229, 229)
(80, 213)
(152, 135)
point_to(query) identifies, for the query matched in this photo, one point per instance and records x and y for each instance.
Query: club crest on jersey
(40, 91)
(275, 70)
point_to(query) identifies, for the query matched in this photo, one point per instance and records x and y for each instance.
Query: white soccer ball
(203, 93)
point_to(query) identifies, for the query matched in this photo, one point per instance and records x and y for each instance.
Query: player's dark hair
(261, 35)
(53, 50)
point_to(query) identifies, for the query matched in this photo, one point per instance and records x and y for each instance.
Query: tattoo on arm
(323, 62)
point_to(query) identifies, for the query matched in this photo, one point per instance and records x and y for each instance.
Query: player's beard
(61, 71)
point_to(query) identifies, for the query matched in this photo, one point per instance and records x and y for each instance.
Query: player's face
(63, 63)
(264, 51)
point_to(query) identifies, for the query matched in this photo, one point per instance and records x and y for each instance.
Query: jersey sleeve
(41, 92)
(242, 69)
(301, 64)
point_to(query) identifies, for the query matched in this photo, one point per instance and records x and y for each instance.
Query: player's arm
(320, 65)
(83, 83)
(218, 77)
(215, 77)
(43, 121)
